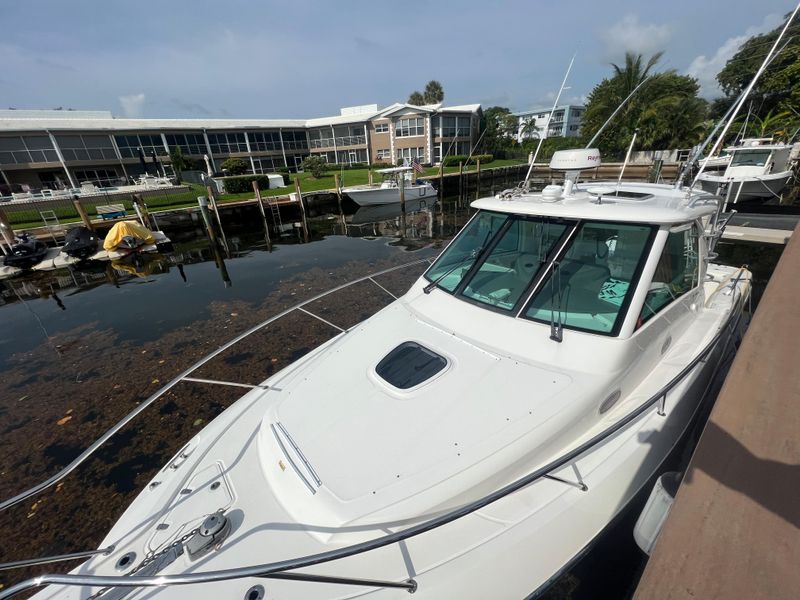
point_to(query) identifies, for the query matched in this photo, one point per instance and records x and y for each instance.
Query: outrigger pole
(526, 183)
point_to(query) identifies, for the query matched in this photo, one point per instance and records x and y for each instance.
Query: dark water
(80, 348)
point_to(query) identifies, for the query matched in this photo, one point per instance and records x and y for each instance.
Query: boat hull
(377, 196)
(511, 548)
(762, 187)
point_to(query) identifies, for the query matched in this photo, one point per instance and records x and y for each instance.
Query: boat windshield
(750, 158)
(591, 286)
(496, 257)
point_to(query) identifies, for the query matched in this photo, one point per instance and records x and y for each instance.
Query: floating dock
(734, 529)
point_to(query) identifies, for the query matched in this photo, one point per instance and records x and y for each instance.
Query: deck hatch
(409, 365)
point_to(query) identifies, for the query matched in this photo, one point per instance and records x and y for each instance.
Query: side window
(677, 271)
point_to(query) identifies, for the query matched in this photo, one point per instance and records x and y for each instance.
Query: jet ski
(80, 243)
(127, 236)
(26, 253)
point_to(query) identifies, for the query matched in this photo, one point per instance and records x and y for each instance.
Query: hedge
(452, 161)
(244, 183)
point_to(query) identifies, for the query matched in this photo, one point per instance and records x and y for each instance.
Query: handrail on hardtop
(277, 569)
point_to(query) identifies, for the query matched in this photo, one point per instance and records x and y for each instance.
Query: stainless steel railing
(277, 570)
(22, 496)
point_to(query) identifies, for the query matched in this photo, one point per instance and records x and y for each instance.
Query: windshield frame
(510, 218)
(636, 278)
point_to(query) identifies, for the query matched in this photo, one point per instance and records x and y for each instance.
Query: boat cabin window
(500, 254)
(591, 286)
(513, 262)
(460, 255)
(750, 158)
(677, 271)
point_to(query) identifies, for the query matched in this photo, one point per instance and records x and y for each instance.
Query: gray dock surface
(734, 529)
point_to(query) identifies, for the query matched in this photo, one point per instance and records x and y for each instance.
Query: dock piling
(306, 237)
(403, 204)
(338, 181)
(6, 230)
(263, 215)
(213, 202)
(87, 222)
(203, 202)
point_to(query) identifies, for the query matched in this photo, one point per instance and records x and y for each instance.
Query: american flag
(416, 166)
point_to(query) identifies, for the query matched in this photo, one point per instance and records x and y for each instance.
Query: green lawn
(67, 214)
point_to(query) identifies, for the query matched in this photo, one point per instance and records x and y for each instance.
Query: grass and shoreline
(187, 199)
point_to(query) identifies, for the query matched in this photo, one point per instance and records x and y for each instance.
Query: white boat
(388, 191)
(755, 171)
(468, 441)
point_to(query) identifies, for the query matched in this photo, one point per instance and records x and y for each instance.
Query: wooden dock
(734, 529)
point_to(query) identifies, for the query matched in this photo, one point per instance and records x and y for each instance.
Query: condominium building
(62, 149)
(535, 123)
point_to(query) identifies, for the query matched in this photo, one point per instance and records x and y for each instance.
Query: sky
(302, 59)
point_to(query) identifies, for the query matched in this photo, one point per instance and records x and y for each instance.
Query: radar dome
(575, 160)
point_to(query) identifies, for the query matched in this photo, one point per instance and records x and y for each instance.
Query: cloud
(132, 105)
(629, 35)
(705, 69)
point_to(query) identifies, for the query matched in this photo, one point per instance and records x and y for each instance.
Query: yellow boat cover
(124, 229)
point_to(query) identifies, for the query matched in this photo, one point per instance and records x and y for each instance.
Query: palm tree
(530, 130)
(772, 124)
(416, 98)
(434, 92)
(633, 73)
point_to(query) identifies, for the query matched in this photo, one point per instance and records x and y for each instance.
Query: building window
(382, 128)
(410, 153)
(264, 141)
(268, 164)
(384, 154)
(456, 126)
(295, 140)
(410, 127)
(87, 147)
(227, 143)
(129, 145)
(26, 149)
(99, 177)
(189, 143)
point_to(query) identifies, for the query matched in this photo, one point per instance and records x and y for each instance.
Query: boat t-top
(471, 439)
(755, 170)
(388, 191)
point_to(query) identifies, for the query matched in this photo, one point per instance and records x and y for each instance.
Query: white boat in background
(471, 439)
(388, 191)
(755, 171)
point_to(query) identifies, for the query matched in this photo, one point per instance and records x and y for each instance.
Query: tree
(531, 130)
(500, 128)
(666, 109)
(316, 165)
(178, 161)
(416, 98)
(434, 92)
(235, 166)
(778, 88)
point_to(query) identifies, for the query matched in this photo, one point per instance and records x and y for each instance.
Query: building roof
(111, 124)
(69, 120)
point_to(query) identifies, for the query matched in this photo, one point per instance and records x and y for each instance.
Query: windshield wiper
(471, 256)
(556, 327)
